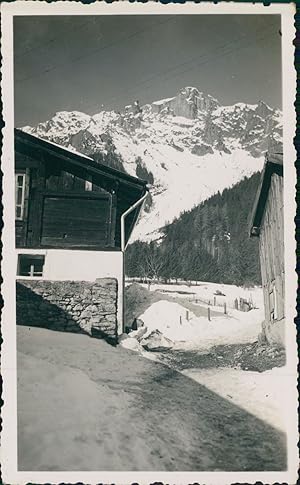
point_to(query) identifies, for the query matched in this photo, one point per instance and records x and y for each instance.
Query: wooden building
(73, 215)
(268, 224)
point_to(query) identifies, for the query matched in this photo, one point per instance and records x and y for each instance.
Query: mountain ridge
(189, 146)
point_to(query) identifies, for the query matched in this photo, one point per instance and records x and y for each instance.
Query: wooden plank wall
(37, 186)
(20, 230)
(48, 179)
(76, 221)
(63, 181)
(272, 247)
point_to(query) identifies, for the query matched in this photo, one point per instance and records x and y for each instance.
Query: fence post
(180, 320)
(215, 301)
(225, 311)
(187, 315)
(208, 313)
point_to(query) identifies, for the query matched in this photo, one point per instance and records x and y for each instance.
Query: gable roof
(273, 164)
(25, 142)
(128, 189)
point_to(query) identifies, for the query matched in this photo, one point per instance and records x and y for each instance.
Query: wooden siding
(20, 233)
(75, 221)
(37, 186)
(24, 161)
(56, 172)
(60, 212)
(272, 249)
(63, 181)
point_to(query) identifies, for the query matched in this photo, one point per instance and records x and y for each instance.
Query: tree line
(210, 242)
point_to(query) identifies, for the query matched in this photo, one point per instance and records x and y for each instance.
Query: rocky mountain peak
(263, 109)
(188, 145)
(189, 102)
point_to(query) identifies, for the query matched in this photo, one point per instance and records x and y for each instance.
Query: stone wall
(70, 306)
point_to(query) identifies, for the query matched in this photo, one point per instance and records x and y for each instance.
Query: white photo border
(10, 473)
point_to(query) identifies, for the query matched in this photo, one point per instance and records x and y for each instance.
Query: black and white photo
(148, 197)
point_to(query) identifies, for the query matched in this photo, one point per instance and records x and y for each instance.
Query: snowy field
(262, 394)
(180, 322)
(189, 332)
(205, 292)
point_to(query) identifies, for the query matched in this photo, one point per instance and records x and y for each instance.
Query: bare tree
(151, 266)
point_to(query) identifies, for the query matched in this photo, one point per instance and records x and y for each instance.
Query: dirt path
(84, 405)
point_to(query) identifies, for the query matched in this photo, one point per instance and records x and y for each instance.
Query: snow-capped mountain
(188, 147)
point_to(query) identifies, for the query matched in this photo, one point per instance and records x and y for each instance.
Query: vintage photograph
(149, 244)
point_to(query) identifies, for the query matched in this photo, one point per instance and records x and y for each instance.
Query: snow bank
(188, 331)
(261, 394)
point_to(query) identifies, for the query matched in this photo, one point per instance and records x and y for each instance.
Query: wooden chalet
(268, 224)
(73, 216)
(67, 200)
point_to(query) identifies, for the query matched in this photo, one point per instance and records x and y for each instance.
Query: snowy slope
(189, 143)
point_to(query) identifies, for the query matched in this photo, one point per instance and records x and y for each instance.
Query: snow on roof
(70, 148)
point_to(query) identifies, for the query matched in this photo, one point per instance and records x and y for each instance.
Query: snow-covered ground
(206, 292)
(187, 331)
(83, 405)
(262, 394)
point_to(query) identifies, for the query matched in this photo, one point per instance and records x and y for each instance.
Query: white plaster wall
(76, 265)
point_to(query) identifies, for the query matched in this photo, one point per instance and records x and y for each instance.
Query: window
(20, 179)
(30, 265)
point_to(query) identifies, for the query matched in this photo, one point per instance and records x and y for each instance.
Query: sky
(91, 63)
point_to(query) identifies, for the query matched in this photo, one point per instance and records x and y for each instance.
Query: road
(85, 405)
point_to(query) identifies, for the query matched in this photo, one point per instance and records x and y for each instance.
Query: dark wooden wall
(92, 219)
(272, 248)
(75, 220)
(62, 181)
(60, 212)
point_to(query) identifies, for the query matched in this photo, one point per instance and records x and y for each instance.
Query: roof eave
(77, 159)
(272, 165)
